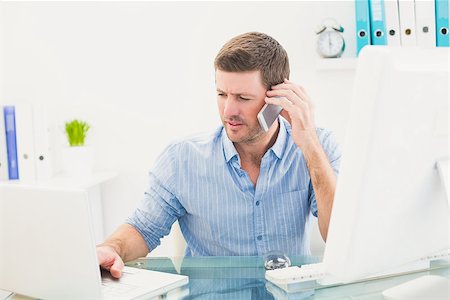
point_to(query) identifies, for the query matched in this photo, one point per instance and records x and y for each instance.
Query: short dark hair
(255, 51)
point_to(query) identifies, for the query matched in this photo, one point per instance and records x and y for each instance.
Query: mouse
(276, 260)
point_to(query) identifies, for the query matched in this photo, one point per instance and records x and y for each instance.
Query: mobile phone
(268, 114)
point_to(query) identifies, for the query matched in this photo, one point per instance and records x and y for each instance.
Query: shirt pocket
(292, 209)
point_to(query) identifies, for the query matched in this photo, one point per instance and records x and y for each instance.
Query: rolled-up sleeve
(333, 153)
(160, 207)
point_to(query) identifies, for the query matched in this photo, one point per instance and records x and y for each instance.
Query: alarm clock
(330, 41)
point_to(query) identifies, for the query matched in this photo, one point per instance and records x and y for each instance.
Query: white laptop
(47, 250)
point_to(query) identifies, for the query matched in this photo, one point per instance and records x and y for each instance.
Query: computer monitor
(391, 208)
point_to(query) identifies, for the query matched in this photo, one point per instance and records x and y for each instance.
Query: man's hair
(254, 51)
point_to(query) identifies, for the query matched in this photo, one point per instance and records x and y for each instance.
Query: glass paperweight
(276, 260)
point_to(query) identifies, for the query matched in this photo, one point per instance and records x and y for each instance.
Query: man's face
(240, 96)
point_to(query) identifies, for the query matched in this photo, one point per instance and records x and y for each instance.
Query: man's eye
(220, 95)
(243, 98)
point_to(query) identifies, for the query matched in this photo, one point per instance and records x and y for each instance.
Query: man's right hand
(125, 244)
(110, 260)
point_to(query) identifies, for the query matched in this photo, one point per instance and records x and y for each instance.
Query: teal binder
(362, 24)
(377, 22)
(442, 23)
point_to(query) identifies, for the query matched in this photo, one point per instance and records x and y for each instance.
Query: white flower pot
(78, 161)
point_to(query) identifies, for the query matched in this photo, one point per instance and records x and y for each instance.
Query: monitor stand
(443, 167)
(424, 287)
(412, 267)
(436, 260)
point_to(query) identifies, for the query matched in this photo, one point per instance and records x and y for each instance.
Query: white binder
(25, 142)
(3, 154)
(42, 143)
(425, 23)
(407, 22)
(392, 23)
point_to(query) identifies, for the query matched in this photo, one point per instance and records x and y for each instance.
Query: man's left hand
(297, 109)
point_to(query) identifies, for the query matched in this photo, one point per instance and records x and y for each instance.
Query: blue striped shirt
(199, 182)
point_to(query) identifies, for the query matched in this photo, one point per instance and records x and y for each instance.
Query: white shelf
(60, 180)
(336, 63)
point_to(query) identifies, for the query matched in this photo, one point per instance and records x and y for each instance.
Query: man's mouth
(234, 125)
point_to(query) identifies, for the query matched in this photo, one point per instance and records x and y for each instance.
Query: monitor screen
(390, 207)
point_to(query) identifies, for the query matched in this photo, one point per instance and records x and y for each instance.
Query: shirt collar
(277, 148)
(228, 148)
(280, 143)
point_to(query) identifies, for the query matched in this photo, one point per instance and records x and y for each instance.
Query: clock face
(330, 44)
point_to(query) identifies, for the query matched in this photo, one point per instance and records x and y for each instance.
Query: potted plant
(77, 158)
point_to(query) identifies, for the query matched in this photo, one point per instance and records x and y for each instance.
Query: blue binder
(362, 24)
(11, 143)
(377, 22)
(442, 23)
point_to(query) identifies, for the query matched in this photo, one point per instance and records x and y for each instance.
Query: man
(239, 191)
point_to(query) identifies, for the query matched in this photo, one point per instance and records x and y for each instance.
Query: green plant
(76, 132)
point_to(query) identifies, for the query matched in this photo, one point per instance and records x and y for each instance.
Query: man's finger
(116, 268)
(287, 93)
(281, 101)
(285, 96)
(297, 89)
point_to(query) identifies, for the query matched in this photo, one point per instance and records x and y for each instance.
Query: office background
(142, 74)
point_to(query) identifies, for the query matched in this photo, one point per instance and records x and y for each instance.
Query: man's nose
(231, 107)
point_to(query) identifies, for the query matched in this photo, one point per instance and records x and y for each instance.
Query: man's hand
(125, 244)
(110, 260)
(297, 109)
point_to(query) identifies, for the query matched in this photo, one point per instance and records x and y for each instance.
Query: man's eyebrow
(239, 93)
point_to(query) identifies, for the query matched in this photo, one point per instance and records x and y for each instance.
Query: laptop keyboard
(116, 288)
(136, 283)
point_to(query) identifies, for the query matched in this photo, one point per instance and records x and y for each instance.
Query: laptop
(47, 250)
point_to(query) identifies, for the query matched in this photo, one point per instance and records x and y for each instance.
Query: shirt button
(259, 237)
(257, 203)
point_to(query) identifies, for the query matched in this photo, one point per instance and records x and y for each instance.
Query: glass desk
(243, 278)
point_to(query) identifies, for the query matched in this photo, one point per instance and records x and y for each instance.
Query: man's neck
(252, 152)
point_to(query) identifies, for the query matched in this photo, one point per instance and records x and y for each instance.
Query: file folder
(407, 22)
(11, 145)
(442, 23)
(362, 24)
(425, 23)
(392, 23)
(25, 142)
(377, 22)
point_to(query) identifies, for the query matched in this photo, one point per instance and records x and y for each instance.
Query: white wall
(142, 73)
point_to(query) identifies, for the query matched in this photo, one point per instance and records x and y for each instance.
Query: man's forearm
(127, 242)
(324, 183)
